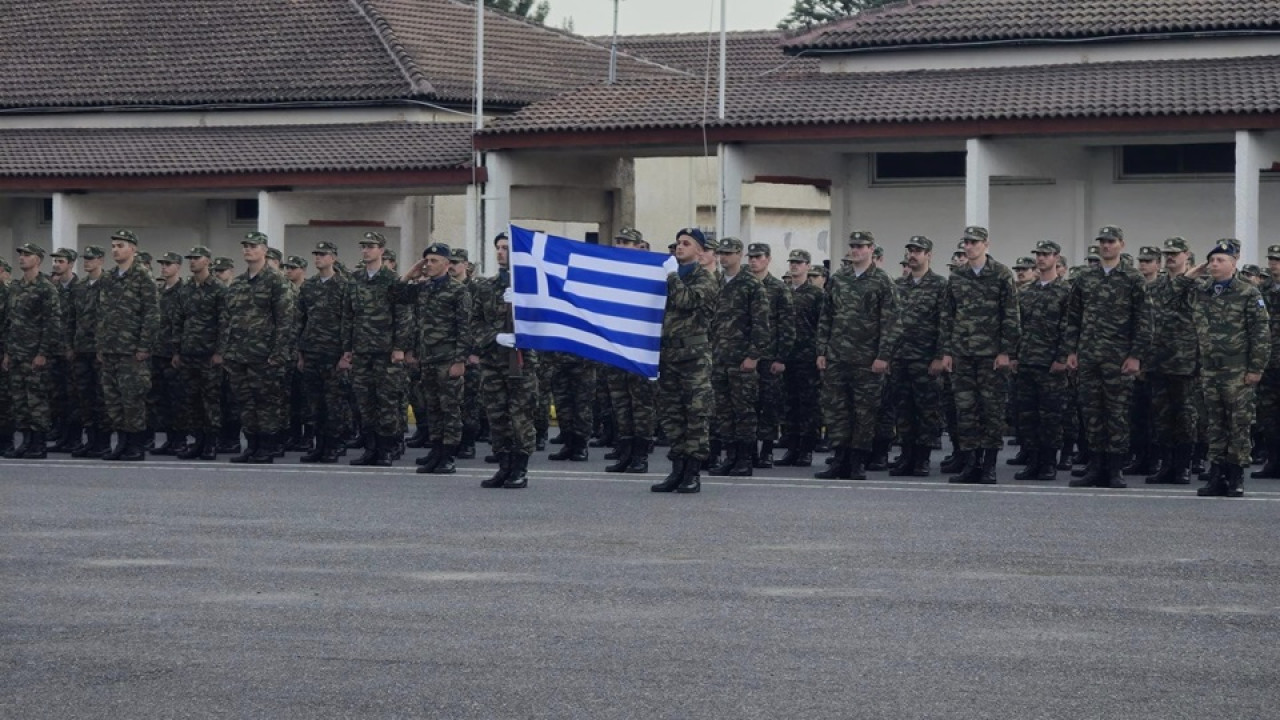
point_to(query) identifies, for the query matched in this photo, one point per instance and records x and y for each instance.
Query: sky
(638, 17)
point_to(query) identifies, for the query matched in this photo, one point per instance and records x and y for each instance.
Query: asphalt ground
(170, 589)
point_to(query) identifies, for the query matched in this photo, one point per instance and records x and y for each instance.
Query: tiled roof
(1183, 87)
(752, 53)
(933, 22)
(243, 149)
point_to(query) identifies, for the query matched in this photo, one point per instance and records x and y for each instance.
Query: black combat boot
(857, 465)
(229, 442)
(578, 452)
(730, 460)
(36, 447)
(1143, 464)
(1180, 464)
(567, 444)
(210, 449)
(167, 447)
(499, 477)
(788, 458)
(639, 456)
(690, 483)
(839, 468)
(101, 445)
(673, 479)
(712, 461)
(1234, 481)
(1165, 466)
(370, 451)
(84, 451)
(904, 463)
(114, 453)
(878, 459)
(467, 448)
(970, 471)
(1023, 456)
(333, 449)
(445, 466)
(135, 447)
(70, 441)
(317, 452)
(956, 462)
(1215, 482)
(1048, 465)
(1032, 468)
(1064, 457)
(920, 461)
(268, 445)
(1092, 474)
(1112, 477)
(193, 450)
(765, 460)
(419, 438)
(384, 449)
(15, 452)
(743, 460)
(518, 477)
(626, 446)
(559, 439)
(1271, 469)
(540, 441)
(1199, 459)
(805, 458)
(428, 462)
(987, 465)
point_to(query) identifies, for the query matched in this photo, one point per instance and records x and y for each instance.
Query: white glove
(506, 339)
(509, 296)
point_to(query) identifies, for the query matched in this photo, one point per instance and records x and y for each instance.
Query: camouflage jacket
(1043, 310)
(204, 313)
(443, 313)
(919, 316)
(1109, 316)
(130, 311)
(740, 328)
(1173, 342)
(781, 318)
(1233, 328)
(807, 300)
(171, 317)
(34, 320)
(322, 316)
(258, 319)
(860, 319)
(4, 325)
(85, 306)
(65, 301)
(381, 320)
(691, 305)
(490, 315)
(979, 315)
(1271, 294)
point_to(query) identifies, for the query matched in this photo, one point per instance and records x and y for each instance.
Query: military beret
(800, 256)
(324, 247)
(730, 245)
(254, 238)
(817, 271)
(878, 252)
(1225, 246)
(630, 235)
(126, 235)
(293, 261)
(374, 239)
(920, 242)
(389, 256)
(65, 253)
(170, 258)
(845, 262)
(1109, 232)
(975, 232)
(1047, 247)
(223, 263)
(1273, 252)
(957, 254)
(1147, 252)
(199, 251)
(1024, 263)
(437, 249)
(93, 252)
(275, 254)
(145, 257)
(1092, 254)
(861, 237)
(759, 250)
(1251, 270)
(458, 255)
(29, 249)
(1176, 245)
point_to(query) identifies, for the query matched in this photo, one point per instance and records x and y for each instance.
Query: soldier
(1024, 271)
(782, 332)
(6, 403)
(740, 335)
(86, 374)
(632, 397)
(381, 333)
(67, 426)
(801, 379)
(472, 418)
(195, 340)
(915, 366)
(34, 334)
(685, 364)
(255, 346)
(224, 269)
(979, 343)
(443, 313)
(818, 277)
(1041, 379)
(1251, 274)
(390, 259)
(1234, 336)
(1171, 370)
(322, 317)
(300, 434)
(1268, 414)
(508, 380)
(1108, 337)
(126, 336)
(856, 337)
(167, 396)
(274, 258)
(573, 385)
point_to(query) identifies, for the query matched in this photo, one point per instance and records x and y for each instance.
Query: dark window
(906, 166)
(246, 211)
(1192, 159)
(48, 210)
(592, 238)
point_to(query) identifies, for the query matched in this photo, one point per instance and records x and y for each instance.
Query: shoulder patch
(1261, 303)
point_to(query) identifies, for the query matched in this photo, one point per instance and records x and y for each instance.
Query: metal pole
(476, 158)
(723, 52)
(613, 49)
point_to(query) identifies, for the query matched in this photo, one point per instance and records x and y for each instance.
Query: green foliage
(809, 13)
(535, 10)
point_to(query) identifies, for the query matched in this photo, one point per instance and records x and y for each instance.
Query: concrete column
(66, 222)
(497, 207)
(271, 217)
(1254, 151)
(977, 183)
(729, 209)
(407, 220)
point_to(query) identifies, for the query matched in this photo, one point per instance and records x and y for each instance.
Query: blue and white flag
(600, 303)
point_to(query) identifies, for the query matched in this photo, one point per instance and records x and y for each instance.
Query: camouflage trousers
(684, 402)
(125, 384)
(769, 402)
(471, 400)
(259, 391)
(980, 402)
(634, 400)
(86, 378)
(1268, 395)
(1202, 411)
(737, 393)
(948, 400)
(31, 395)
(1105, 395)
(443, 397)
(887, 416)
(202, 384)
(509, 402)
(802, 389)
(413, 376)
(327, 407)
(1071, 421)
(1173, 409)
(574, 388)
(1041, 399)
(1229, 405)
(6, 403)
(917, 399)
(62, 399)
(167, 397)
(1140, 427)
(851, 398)
(544, 372)
(379, 387)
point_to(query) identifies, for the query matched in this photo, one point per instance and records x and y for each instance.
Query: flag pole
(477, 206)
(722, 221)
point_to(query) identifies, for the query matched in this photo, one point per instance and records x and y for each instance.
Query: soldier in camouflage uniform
(979, 343)
(1144, 457)
(1040, 385)
(443, 311)
(168, 395)
(381, 333)
(770, 368)
(1172, 367)
(301, 434)
(684, 372)
(196, 334)
(856, 337)
(573, 385)
(126, 336)
(223, 269)
(254, 347)
(67, 425)
(915, 366)
(1108, 338)
(801, 379)
(633, 397)
(86, 374)
(6, 404)
(472, 417)
(1234, 335)
(1268, 415)
(322, 315)
(34, 334)
(740, 335)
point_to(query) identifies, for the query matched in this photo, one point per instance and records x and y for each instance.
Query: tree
(808, 13)
(535, 10)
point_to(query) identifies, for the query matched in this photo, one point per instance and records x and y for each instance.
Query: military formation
(1162, 367)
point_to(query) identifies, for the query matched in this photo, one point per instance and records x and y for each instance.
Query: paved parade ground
(191, 590)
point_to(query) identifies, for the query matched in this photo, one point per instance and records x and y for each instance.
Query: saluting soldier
(1172, 368)
(782, 337)
(322, 319)
(86, 373)
(740, 335)
(915, 366)
(1269, 389)
(67, 425)
(168, 395)
(1040, 385)
(126, 334)
(34, 334)
(801, 380)
(196, 332)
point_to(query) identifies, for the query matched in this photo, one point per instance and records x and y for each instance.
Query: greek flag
(600, 303)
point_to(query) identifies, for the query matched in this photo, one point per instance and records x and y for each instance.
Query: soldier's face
(370, 253)
(503, 250)
(975, 249)
(1024, 275)
(458, 270)
(224, 276)
(322, 261)
(436, 266)
(1221, 266)
(28, 261)
(758, 263)
(1175, 263)
(799, 270)
(1045, 261)
(197, 265)
(61, 267)
(818, 281)
(730, 261)
(297, 275)
(918, 258)
(861, 254)
(253, 253)
(687, 249)
(1148, 268)
(1110, 248)
(1273, 265)
(168, 271)
(92, 265)
(122, 252)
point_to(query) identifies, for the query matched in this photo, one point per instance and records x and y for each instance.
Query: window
(918, 167)
(245, 211)
(46, 214)
(1138, 161)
